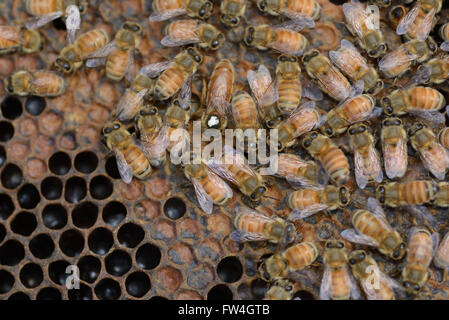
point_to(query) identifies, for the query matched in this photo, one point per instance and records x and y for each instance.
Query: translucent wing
(407, 21)
(173, 41)
(334, 83)
(367, 167)
(373, 287)
(259, 82)
(435, 241)
(436, 160)
(425, 26)
(72, 22)
(445, 46)
(39, 21)
(421, 214)
(353, 236)
(9, 33)
(355, 292)
(431, 116)
(185, 93)
(307, 110)
(347, 58)
(162, 16)
(326, 285)
(130, 65)
(312, 209)
(355, 17)
(395, 59)
(204, 200)
(299, 21)
(156, 146)
(96, 62)
(220, 183)
(104, 51)
(374, 207)
(287, 48)
(218, 100)
(395, 159)
(154, 69)
(128, 104)
(124, 168)
(240, 236)
(310, 90)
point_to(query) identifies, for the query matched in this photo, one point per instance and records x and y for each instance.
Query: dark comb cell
(174, 208)
(11, 176)
(54, 216)
(51, 188)
(11, 108)
(35, 105)
(86, 162)
(28, 196)
(6, 131)
(60, 163)
(230, 269)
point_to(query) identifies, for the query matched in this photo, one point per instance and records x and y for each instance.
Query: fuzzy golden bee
(367, 164)
(251, 225)
(41, 83)
(362, 25)
(372, 228)
(394, 147)
(190, 31)
(350, 111)
(219, 93)
(435, 70)
(131, 160)
(46, 11)
(349, 60)
(284, 38)
(15, 39)
(442, 195)
(441, 259)
(421, 249)
(209, 188)
(433, 155)
(338, 283)
(234, 168)
(329, 155)
(302, 120)
(396, 14)
(118, 55)
(167, 9)
(282, 265)
(305, 202)
(232, 12)
(420, 20)
(326, 75)
(292, 9)
(416, 192)
(289, 88)
(71, 58)
(244, 111)
(399, 61)
(280, 290)
(375, 284)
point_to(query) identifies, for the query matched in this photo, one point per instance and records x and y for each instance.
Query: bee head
(218, 41)
(357, 256)
(386, 104)
(391, 122)
(249, 36)
(357, 128)
(308, 139)
(82, 6)
(379, 86)
(411, 287)
(63, 65)
(133, 27)
(397, 13)
(380, 192)
(230, 20)
(344, 196)
(195, 54)
(309, 55)
(258, 193)
(415, 128)
(399, 252)
(379, 51)
(148, 110)
(111, 126)
(9, 86)
(431, 44)
(334, 244)
(262, 5)
(206, 10)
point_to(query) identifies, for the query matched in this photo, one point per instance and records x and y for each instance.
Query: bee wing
(297, 214)
(326, 285)
(298, 22)
(353, 236)
(366, 169)
(218, 101)
(445, 46)
(170, 41)
(128, 104)
(369, 284)
(285, 47)
(357, 88)
(155, 145)
(355, 16)
(395, 159)
(259, 82)
(407, 21)
(437, 165)
(421, 214)
(39, 21)
(9, 33)
(240, 236)
(307, 107)
(355, 291)
(72, 22)
(332, 82)
(425, 26)
(310, 90)
(220, 182)
(374, 207)
(130, 65)
(395, 58)
(431, 116)
(162, 16)
(96, 62)
(351, 54)
(102, 52)
(204, 200)
(185, 93)
(435, 241)
(124, 168)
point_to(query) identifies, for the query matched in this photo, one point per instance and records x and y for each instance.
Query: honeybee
(443, 137)
(352, 110)
(264, 91)
(131, 160)
(153, 135)
(71, 57)
(302, 120)
(189, 31)
(444, 34)
(372, 228)
(376, 284)
(441, 259)
(419, 101)
(219, 93)
(294, 259)
(232, 12)
(233, 167)
(394, 147)
(41, 83)
(362, 25)
(338, 283)
(254, 226)
(305, 202)
(293, 9)
(433, 155)
(421, 249)
(299, 172)
(284, 38)
(331, 157)
(118, 55)
(49, 10)
(289, 88)
(179, 112)
(442, 195)
(367, 165)
(13, 39)
(328, 78)
(349, 60)
(435, 70)
(164, 10)
(395, 15)
(280, 290)
(400, 60)
(244, 111)
(420, 20)
(210, 189)
(416, 192)
(175, 73)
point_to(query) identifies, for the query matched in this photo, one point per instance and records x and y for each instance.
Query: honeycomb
(62, 201)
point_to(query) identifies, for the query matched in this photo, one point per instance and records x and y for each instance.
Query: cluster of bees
(359, 74)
